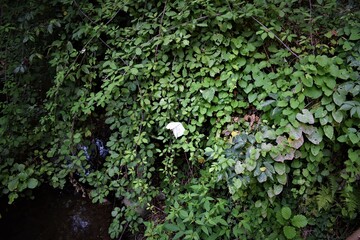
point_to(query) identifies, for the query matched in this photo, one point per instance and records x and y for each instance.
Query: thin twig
(268, 30)
(160, 32)
(110, 20)
(82, 12)
(127, 224)
(189, 165)
(311, 35)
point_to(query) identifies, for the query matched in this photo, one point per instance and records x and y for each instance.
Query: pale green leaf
(12, 185)
(328, 131)
(338, 116)
(305, 117)
(239, 167)
(32, 183)
(278, 189)
(315, 137)
(208, 94)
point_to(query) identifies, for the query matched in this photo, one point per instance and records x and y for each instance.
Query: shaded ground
(55, 215)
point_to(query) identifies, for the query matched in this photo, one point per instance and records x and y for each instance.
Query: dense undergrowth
(268, 92)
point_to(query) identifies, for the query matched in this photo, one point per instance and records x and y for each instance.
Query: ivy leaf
(239, 167)
(32, 183)
(308, 81)
(278, 189)
(307, 129)
(315, 137)
(134, 71)
(208, 94)
(12, 185)
(313, 92)
(329, 131)
(280, 168)
(322, 60)
(338, 98)
(289, 232)
(138, 51)
(299, 221)
(286, 212)
(305, 117)
(262, 177)
(297, 143)
(338, 116)
(353, 138)
(282, 179)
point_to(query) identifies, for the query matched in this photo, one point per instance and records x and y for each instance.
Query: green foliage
(268, 95)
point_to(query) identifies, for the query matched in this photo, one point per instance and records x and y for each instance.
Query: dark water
(54, 215)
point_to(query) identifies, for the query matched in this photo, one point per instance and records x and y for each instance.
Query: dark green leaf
(299, 221)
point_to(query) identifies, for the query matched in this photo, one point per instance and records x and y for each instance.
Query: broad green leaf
(294, 133)
(239, 167)
(289, 232)
(134, 71)
(279, 218)
(296, 143)
(278, 189)
(308, 81)
(12, 185)
(294, 103)
(208, 94)
(353, 138)
(280, 168)
(262, 177)
(178, 235)
(286, 212)
(266, 147)
(315, 137)
(330, 83)
(354, 36)
(269, 134)
(205, 230)
(338, 98)
(171, 227)
(183, 214)
(270, 193)
(307, 129)
(282, 179)
(305, 117)
(138, 51)
(313, 92)
(299, 221)
(328, 131)
(323, 60)
(338, 116)
(252, 97)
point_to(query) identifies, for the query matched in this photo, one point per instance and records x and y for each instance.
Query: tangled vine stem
(268, 30)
